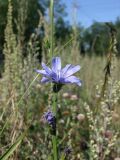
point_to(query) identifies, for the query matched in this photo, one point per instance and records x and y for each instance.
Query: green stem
(52, 28)
(54, 107)
(54, 141)
(54, 137)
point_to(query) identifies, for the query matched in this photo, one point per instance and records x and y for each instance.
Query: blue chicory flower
(58, 75)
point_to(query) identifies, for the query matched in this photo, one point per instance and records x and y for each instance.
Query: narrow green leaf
(13, 147)
(50, 158)
(62, 157)
(3, 128)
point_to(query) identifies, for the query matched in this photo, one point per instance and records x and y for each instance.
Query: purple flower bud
(51, 119)
(67, 150)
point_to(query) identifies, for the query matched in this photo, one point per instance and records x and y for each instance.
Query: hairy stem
(54, 136)
(52, 27)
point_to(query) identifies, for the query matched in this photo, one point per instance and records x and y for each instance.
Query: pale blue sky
(93, 10)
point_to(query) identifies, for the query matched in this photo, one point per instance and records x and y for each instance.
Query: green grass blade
(3, 128)
(50, 158)
(62, 157)
(13, 147)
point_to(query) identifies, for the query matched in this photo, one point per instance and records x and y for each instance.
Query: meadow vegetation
(88, 118)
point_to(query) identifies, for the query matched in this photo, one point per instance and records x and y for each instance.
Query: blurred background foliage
(92, 40)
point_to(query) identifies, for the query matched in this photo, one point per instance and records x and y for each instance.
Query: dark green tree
(62, 26)
(32, 19)
(117, 25)
(96, 39)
